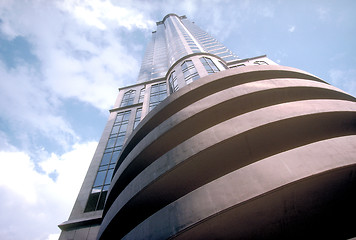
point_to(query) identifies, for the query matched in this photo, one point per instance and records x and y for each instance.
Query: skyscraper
(208, 145)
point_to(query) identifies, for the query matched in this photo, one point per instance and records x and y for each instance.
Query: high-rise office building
(208, 145)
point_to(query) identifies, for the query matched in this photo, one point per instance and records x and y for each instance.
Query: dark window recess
(92, 202)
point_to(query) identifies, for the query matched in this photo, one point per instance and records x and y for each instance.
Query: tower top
(169, 15)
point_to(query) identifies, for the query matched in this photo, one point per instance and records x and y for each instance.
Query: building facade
(208, 145)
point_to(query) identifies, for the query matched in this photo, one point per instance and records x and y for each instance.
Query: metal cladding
(257, 152)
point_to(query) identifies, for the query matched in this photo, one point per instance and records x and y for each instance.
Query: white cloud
(291, 29)
(27, 105)
(323, 13)
(78, 60)
(101, 13)
(74, 60)
(33, 204)
(267, 11)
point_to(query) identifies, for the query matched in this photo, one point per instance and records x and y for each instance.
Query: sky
(62, 62)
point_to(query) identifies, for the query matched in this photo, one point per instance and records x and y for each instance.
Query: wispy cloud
(102, 13)
(323, 13)
(28, 108)
(267, 11)
(291, 29)
(74, 59)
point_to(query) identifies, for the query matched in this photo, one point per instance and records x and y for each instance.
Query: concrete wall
(253, 152)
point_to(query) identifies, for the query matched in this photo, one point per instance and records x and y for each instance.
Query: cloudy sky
(61, 63)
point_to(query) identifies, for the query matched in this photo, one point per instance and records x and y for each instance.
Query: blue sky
(61, 63)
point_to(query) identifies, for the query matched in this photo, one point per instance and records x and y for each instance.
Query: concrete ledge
(195, 162)
(74, 224)
(252, 201)
(205, 87)
(213, 109)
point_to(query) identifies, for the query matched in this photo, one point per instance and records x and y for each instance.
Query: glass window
(101, 202)
(119, 117)
(189, 71)
(96, 190)
(97, 196)
(126, 116)
(102, 168)
(142, 95)
(109, 176)
(92, 202)
(128, 98)
(209, 65)
(260, 63)
(120, 140)
(112, 166)
(173, 83)
(106, 159)
(111, 142)
(99, 178)
(115, 156)
(123, 127)
(115, 129)
(137, 117)
(158, 93)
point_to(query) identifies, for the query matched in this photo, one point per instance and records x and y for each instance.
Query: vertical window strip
(173, 83)
(112, 151)
(137, 117)
(142, 95)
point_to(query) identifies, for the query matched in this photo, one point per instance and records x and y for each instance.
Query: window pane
(115, 156)
(106, 159)
(102, 200)
(154, 89)
(99, 178)
(123, 127)
(115, 129)
(119, 117)
(120, 140)
(162, 87)
(126, 116)
(96, 190)
(102, 168)
(92, 201)
(108, 176)
(111, 142)
(212, 65)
